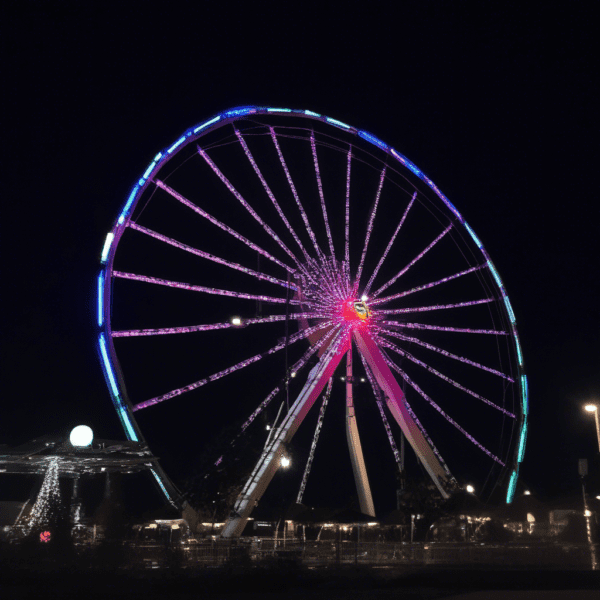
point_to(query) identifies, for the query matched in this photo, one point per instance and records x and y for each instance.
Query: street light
(470, 489)
(594, 408)
(285, 462)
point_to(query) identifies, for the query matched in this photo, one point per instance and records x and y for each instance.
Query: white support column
(394, 398)
(365, 499)
(268, 463)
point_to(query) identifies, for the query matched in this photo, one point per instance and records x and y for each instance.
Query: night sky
(497, 103)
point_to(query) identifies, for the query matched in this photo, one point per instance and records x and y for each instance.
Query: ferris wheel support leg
(394, 397)
(269, 461)
(365, 499)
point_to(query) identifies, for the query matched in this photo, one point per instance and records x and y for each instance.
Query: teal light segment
(107, 244)
(337, 123)
(161, 484)
(509, 309)
(128, 425)
(519, 353)
(279, 110)
(475, 238)
(311, 113)
(512, 486)
(130, 200)
(108, 366)
(100, 299)
(495, 274)
(525, 394)
(207, 124)
(522, 441)
(176, 144)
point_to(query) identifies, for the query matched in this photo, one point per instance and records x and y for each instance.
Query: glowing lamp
(285, 462)
(364, 298)
(470, 489)
(527, 493)
(591, 407)
(81, 436)
(236, 321)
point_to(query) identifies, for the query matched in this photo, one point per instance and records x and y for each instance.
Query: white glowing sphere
(591, 407)
(82, 435)
(470, 489)
(285, 462)
(364, 298)
(236, 321)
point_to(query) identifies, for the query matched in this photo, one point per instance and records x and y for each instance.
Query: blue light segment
(337, 123)
(160, 483)
(100, 299)
(130, 200)
(279, 110)
(371, 138)
(522, 443)
(511, 487)
(148, 170)
(398, 156)
(207, 124)
(177, 143)
(108, 366)
(238, 112)
(525, 394)
(472, 234)
(310, 113)
(128, 426)
(413, 168)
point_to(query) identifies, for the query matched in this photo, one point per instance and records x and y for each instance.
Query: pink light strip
(320, 185)
(347, 228)
(200, 288)
(440, 328)
(261, 407)
(245, 204)
(433, 348)
(201, 253)
(444, 377)
(269, 192)
(398, 311)
(369, 230)
(192, 386)
(427, 285)
(392, 239)
(294, 192)
(410, 411)
(212, 326)
(414, 260)
(444, 414)
(220, 225)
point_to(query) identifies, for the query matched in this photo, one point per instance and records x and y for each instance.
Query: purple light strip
(261, 407)
(444, 414)
(369, 230)
(433, 348)
(220, 225)
(270, 193)
(398, 311)
(294, 192)
(411, 412)
(440, 328)
(313, 445)
(442, 376)
(245, 204)
(192, 386)
(390, 437)
(347, 228)
(427, 285)
(200, 288)
(201, 253)
(313, 147)
(212, 326)
(392, 239)
(413, 261)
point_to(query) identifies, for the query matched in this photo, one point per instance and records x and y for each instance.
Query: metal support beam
(394, 398)
(269, 461)
(365, 499)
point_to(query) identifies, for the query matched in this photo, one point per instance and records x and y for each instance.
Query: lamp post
(593, 408)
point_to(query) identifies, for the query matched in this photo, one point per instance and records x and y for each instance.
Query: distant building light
(530, 518)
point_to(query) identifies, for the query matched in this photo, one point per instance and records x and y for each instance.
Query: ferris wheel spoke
(441, 328)
(192, 386)
(400, 311)
(215, 326)
(295, 193)
(313, 445)
(347, 223)
(427, 285)
(200, 288)
(390, 243)
(206, 255)
(220, 225)
(433, 348)
(247, 206)
(321, 196)
(378, 393)
(413, 261)
(269, 192)
(435, 372)
(369, 230)
(442, 412)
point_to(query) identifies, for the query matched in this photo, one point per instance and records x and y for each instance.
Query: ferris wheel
(266, 246)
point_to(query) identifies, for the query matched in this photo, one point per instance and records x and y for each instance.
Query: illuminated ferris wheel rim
(106, 348)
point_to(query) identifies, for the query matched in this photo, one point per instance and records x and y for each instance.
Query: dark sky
(496, 102)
